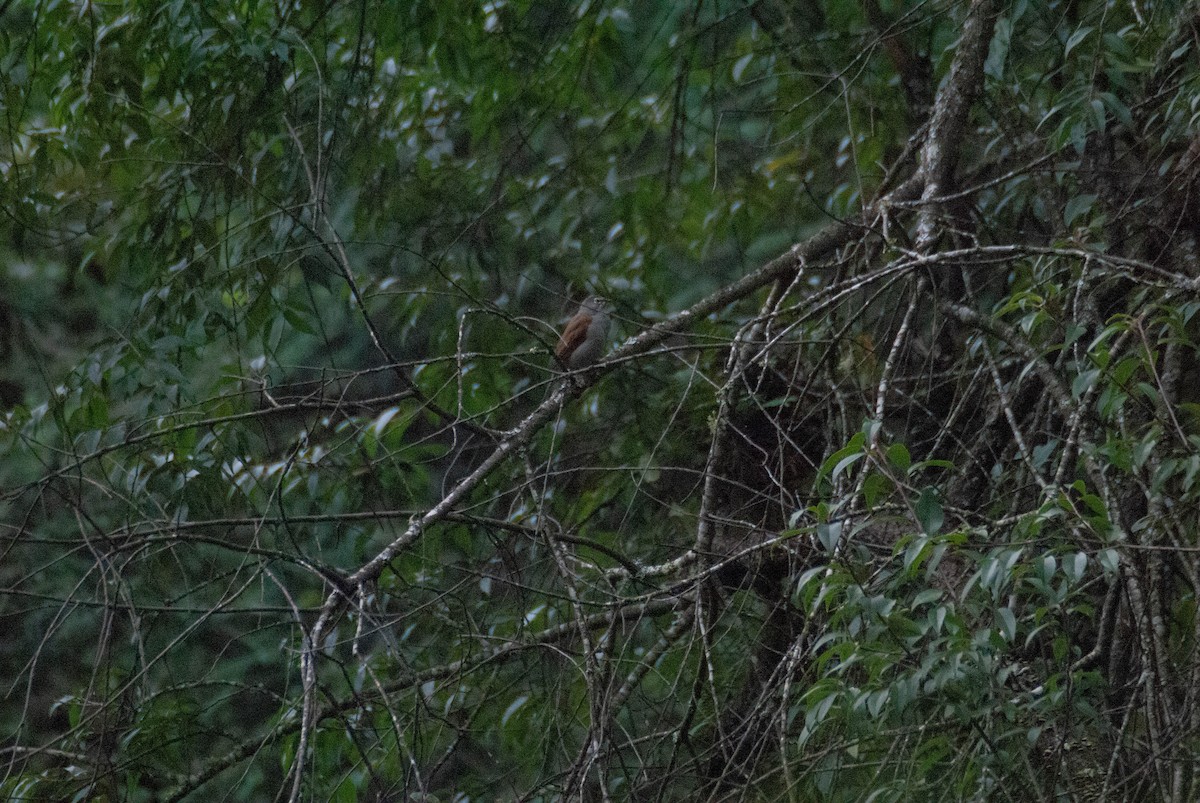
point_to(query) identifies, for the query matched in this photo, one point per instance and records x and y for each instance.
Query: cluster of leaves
(912, 522)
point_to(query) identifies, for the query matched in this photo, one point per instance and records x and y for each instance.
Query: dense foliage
(887, 489)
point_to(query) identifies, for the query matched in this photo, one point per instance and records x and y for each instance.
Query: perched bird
(582, 340)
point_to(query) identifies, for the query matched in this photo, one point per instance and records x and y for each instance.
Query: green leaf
(1099, 115)
(830, 535)
(1075, 565)
(1077, 207)
(876, 488)
(1007, 622)
(899, 457)
(1109, 560)
(1083, 382)
(1075, 39)
(998, 51)
(929, 511)
(740, 65)
(844, 457)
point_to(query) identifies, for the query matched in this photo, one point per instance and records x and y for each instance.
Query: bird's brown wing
(572, 336)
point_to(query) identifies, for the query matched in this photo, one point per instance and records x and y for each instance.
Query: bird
(583, 338)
